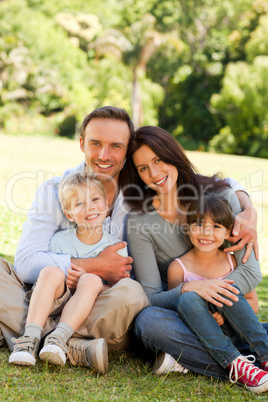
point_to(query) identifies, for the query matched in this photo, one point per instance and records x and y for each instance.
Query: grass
(25, 163)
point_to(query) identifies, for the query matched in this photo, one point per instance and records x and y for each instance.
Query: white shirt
(44, 219)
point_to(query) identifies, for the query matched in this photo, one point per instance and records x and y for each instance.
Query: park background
(199, 69)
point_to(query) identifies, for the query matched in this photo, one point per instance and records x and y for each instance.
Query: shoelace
(78, 356)
(23, 343)
(56, 341)
(248, 369)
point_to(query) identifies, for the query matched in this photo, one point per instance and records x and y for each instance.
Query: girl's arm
(174, 275)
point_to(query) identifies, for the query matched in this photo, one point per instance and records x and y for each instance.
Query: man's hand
(245, 233)
(73, 276)
(109, 265)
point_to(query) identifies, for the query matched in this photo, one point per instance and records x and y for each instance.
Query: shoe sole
(101, 356)
(22, 359)
(53, 354)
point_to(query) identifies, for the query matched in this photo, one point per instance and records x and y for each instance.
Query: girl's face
(88, 208)
(208, 235)
(155, 173)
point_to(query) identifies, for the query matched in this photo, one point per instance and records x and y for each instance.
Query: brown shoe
(90, 353)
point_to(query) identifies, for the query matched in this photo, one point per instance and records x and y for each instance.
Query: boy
(84, 202)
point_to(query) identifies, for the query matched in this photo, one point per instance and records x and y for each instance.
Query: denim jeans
(194, 311)
(160, 329)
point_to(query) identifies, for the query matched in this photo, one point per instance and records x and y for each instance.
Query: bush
(67, 127)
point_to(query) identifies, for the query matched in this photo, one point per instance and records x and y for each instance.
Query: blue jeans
(194, 311)
(160, 329)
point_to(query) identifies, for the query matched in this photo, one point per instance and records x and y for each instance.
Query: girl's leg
(244, 322)
(194, 311)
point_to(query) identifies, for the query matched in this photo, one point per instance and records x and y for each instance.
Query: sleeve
(145, 266)
(236, 186)
(44, 219)
(246, 276)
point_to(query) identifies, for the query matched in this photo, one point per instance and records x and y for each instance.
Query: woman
(160, 183)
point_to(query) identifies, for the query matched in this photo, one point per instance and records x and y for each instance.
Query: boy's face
(88, 208)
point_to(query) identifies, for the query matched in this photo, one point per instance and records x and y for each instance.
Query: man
(105, 136)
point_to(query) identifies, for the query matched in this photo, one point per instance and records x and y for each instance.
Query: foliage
(161, 60)
(243, 102)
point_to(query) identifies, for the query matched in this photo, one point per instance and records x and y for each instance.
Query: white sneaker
(54, 350)
(165, 364)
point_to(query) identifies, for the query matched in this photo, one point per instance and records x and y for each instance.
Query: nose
(153, 171)
(104, 153)
(207, 230)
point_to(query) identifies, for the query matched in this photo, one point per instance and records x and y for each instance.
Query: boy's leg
(50, 285)
(113, 313)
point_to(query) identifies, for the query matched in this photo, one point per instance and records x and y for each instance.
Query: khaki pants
(110, 318)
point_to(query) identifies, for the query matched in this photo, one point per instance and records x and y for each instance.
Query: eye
(216, 226)
(96, 199)
(142, 169)
(95, 144)
(157, 160)
(79, 204)
(116, 146)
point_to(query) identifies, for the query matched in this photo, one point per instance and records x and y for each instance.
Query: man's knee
(130, 292)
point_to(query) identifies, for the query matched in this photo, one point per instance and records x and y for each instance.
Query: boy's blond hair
(69, 184)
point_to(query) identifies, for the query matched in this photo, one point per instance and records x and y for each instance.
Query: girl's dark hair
(190, 183)
(214, 205)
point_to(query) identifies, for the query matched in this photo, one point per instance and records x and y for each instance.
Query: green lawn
(25, 163)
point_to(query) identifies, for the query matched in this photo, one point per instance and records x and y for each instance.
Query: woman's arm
(246, 276)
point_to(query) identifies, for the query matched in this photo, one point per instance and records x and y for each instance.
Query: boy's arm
(252, 298)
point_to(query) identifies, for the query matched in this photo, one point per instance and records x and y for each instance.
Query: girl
(209, 221)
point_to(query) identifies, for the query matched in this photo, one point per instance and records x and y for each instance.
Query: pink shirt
(190, 276)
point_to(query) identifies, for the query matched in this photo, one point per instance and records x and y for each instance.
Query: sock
(63, 331)
(33, 330)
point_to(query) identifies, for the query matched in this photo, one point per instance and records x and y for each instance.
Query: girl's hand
(213, 290)
(73, 276)
(218, 318)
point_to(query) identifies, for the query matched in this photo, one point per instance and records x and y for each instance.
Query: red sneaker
(242, 370)
(264, 366)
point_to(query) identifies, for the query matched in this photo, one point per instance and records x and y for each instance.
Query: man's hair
(69, 184)
(108, 112)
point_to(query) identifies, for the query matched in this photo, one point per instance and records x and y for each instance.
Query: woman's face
(155, 173)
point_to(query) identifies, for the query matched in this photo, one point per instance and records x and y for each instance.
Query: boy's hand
(73, 276)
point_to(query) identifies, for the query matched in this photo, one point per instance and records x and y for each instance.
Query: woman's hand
(73, 275)
(213, 290)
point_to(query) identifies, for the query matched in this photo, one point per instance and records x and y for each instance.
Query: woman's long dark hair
(190, 183)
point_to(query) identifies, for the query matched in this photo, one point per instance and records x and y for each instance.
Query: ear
(68, 216)
(82, 145)
(229, 232)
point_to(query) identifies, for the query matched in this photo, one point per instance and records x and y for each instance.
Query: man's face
(105, 147)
